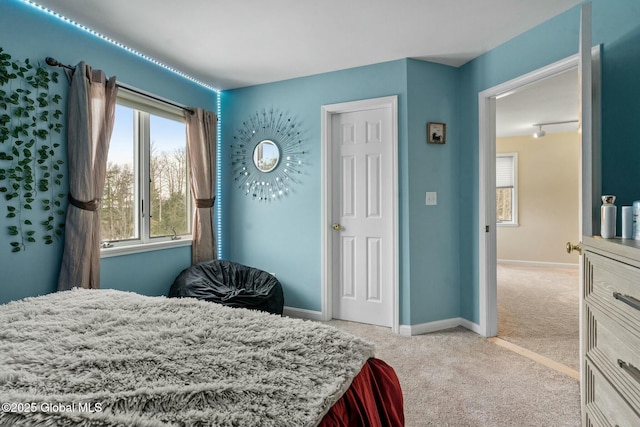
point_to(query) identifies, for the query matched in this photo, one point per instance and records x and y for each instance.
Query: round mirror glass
(266, 155)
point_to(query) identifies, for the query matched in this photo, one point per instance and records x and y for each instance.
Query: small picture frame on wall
(436, 133)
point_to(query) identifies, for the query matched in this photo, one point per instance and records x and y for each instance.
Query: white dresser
(610, 332)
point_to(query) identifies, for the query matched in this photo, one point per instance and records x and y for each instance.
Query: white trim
(438, 325)
(585, 67)
(537, 263)
(473, 327)
(487, 251)
(301, 313)
(590, 175)
(144, 247)
(596, 137)
(326, 204)
(487, 291)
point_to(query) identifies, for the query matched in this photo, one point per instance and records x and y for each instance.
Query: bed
(113, 358)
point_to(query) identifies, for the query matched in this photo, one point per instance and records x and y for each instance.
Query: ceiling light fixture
(542, 133)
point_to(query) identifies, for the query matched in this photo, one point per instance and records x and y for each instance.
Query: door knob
(336, 227)
(571, 247)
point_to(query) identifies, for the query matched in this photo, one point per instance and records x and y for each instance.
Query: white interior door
(590, 172)
(363, 211)
(591, 176)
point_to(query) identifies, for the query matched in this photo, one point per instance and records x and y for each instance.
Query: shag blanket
(112, 358)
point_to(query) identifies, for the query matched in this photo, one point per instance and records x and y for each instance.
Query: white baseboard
(438, 325)
(474, 327)
(405, 330)
(301, 313)
(537, 263)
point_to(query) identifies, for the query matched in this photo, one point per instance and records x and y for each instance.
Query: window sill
(508, 224)
(143, 247)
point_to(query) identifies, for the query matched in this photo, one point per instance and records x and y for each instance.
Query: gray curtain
(201, 146)
(91, 109)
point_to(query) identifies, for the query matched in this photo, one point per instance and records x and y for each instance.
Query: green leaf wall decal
(31, 121)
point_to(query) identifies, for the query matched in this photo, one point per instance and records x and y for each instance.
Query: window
(507, 189)
(146, 201)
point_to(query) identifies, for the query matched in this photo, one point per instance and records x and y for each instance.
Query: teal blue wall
(284, 236)
(148, 273)
(616, 25)
(27, 32)
(434, 246)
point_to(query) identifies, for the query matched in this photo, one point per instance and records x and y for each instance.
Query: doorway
(537, 195)
(590, 175)
(359, 212)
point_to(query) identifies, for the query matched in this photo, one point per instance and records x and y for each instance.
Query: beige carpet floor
(457, 378)
(538, 309)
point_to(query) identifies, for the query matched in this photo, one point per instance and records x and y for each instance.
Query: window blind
(504, 172)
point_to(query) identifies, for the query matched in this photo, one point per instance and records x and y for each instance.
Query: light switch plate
(431, 198)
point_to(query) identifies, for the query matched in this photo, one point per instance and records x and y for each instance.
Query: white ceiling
(554, 99)
(234, 43)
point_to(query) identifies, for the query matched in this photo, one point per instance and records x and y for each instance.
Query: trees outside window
(146, 195)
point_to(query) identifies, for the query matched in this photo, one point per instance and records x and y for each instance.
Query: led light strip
(118, 44)
(219, 237)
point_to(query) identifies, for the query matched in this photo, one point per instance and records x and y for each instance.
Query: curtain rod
(55, 63)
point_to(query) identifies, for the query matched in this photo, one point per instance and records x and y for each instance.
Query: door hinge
(486, 228)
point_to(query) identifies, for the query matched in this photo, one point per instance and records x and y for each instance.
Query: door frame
(327, 184)
(591, 176)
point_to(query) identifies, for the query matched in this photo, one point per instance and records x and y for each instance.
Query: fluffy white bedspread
(107, 357)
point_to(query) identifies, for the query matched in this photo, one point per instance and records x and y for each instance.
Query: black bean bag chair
(230, 284)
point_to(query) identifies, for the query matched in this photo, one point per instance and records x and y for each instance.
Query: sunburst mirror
(267, 155)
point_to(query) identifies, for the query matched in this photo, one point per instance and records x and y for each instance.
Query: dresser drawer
(615, 350)
(613, 287)
(603, 405)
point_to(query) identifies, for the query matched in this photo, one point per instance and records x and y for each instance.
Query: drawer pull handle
(632, 370)
(630, 301)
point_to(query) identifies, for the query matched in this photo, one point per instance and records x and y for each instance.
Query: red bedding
(374, 399)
